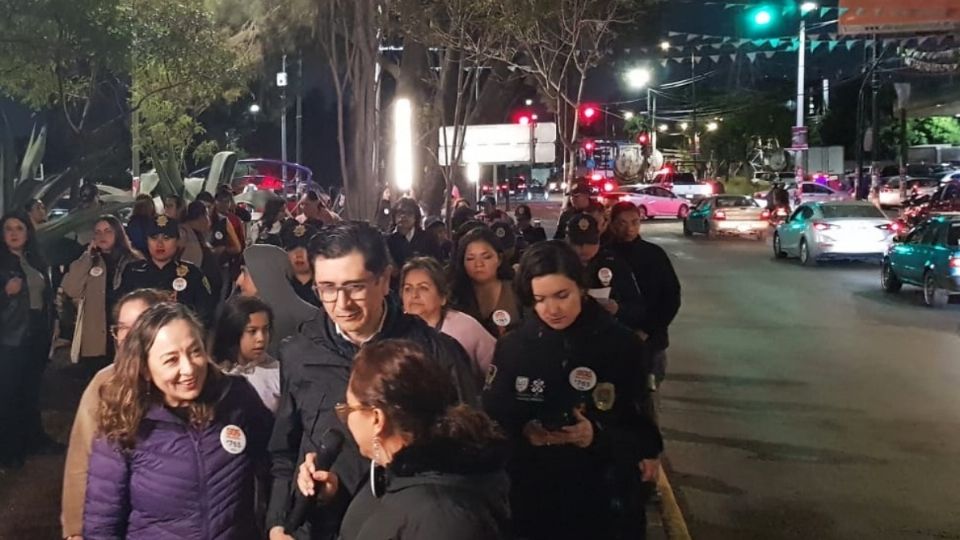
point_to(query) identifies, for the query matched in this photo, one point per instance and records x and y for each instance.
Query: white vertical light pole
(282, 84)
(805, 8)
(638, 79)
(473, 175)
(403, 144)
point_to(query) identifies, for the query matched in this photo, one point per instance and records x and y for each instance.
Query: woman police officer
(568, 387)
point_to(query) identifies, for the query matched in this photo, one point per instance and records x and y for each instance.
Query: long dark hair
(544, 259)
(272, 210)
(121, 245)
(461, 284)
(127, 395)
(31, 249)
(231, 325)
(416, 394)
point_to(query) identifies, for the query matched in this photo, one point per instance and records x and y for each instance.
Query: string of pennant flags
(831, 40)
(838, 11)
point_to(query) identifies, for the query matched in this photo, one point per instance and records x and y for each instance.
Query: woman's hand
(537, 435)
(14, 286)
(650, 469)
(309, 477)
(579, 434)
(278, 533)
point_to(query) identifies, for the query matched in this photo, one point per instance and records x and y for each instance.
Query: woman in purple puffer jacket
(179, 442)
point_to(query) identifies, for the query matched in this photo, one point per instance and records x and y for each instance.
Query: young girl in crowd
(240, 346)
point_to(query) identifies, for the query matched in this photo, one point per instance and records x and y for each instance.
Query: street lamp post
(805, 8)
(639, 78)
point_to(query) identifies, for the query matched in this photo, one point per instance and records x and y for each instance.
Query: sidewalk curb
(670, 515)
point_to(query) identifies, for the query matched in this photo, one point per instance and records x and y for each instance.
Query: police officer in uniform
(567, 389)
(295, 237)
(579, 201)
(165, 271)
(608, 277)
(530, 233)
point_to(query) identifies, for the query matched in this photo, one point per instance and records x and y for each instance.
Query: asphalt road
(806, 403)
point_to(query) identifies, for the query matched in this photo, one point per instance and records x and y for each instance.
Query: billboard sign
(898, 17)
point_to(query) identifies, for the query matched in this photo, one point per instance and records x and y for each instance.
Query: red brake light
(719, 215)
(608, 186)
(821, 226)
(765, 215)
(596, 177)
(954, 262)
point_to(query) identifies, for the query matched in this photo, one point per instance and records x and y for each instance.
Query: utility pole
(695, 139)
(875, 120)
(801, 101)
(282, 83)
(299, 119)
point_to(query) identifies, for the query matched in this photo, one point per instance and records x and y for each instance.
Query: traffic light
(762, 17)
(589, 113)
(588, 146)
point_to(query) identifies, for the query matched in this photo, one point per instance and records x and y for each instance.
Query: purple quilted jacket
(178, 482)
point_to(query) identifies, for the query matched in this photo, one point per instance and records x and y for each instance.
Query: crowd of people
(485, 382)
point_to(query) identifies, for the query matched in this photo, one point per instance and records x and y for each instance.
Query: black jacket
(197, 295)
(561, 232)
(438, 490)
(565, 491)
(314, 368)
(659, 286)
(15, 319)
(607, 269)
(423, 244)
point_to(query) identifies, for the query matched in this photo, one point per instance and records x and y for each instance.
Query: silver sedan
(834, 230)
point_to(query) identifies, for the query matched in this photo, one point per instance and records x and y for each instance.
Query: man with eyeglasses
(352, 276)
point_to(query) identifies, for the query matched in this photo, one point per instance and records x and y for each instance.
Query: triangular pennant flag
(729, 6)
(691, 37)
(775, 42)
(769, 54)
(889, 42)
(752, 56)
(672, 34)
(824, 11)
(679, 59)
(832, 45)
(814, 44)
(842, 11)
(698, 47)
(851, 44)
(868, 43)
(733, 57)
(832, 35)
(922, 40)
(759, 42)
(726, 39)
(715, 58)
(663, 62)
(716, 45)
(697, 59)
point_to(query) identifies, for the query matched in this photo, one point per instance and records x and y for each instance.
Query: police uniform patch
(583, 224)
(162, 220)
(206, 284)
(521, 384)
(604, 396)
(583, 379)
(179, 284)
(605, 275)
(501, 232)
(182, 271)
(538, 386)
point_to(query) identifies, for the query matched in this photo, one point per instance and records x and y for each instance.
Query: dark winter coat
(565, 491)
(423, 244)
(177, 481)
(607, 269)
(659, 286)
(15, 316)
(439, 490)
(315, 367)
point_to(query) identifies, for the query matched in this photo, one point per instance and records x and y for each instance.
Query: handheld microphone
(330, 445)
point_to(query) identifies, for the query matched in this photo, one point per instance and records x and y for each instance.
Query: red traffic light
(643, 137)
(589, 113)
(588, 146)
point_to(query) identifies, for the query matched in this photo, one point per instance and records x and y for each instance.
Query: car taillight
(954, 262)
(522, 186)
(765, 215)
(895, 227)
(719, 215)
(608, 186)
(781, 212)
(821, 226)
(596, 177)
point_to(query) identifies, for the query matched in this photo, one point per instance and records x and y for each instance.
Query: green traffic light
(762, 17)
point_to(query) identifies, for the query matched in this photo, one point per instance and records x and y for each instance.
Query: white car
(952, 175)
(814, 192)
(834, 230)
(916, 187)
(653, 201)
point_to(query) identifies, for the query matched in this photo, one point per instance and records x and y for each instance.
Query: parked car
(929, 258)
(814, 192)
(732, 215)
(684, 184)
(537, 191)
(834, 230)
(653, 201)
(953, 174)
(916, 188)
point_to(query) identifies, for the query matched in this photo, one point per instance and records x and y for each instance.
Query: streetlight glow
(664, 45)
(684, 126)
(639, 77)
(712, 126)
(762, 17)
(528, 102)
(254, 108)
(403, 144)
(628, 115)
(807, 7)
(662, 128)
(473, 172)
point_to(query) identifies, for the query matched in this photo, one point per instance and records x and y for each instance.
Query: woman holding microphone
(436, 466)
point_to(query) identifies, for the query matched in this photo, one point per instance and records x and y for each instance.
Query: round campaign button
(179, 284)
(583, 379)
(218, 235)
(233, 439)
(501, 318)
(605, 275)
(96, 271)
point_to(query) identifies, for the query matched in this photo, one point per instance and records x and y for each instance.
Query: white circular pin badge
(96, 271)
(501, 318)
(605, 275)
(583, 379)
(218, 235)
(179, 284)
(233, 439)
